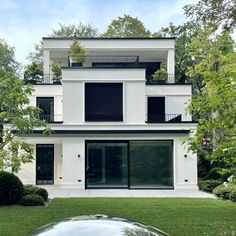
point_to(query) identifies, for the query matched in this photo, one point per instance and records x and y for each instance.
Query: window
(46, 105)
(103, 102)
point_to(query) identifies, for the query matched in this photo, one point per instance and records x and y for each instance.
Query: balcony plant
(56, 70)
(33, 73)
(160, 75)
(77, 53)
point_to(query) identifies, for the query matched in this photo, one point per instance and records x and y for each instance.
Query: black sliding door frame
(128, 164)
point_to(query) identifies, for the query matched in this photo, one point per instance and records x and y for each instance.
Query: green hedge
(208, 185)
(224, 191)
(32, 189)
(32, 200)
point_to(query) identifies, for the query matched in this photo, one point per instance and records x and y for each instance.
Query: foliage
(223, 191)
(126, 27)
(215, 104)
(79, 30)
(208, 185)
(16, 114)
(11, 188)
(32, 200)
(217, 12)
(56, 70)
(29, 189)
(232, 195)
(160, 74)
(7, 58)
(77, 52)
(43, 193)
(33, 73)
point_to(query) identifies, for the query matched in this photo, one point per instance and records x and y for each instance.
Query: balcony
(51, 118)
(165, 79)
(41, 79)
(165, 118)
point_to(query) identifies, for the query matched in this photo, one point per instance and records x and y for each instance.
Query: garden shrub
(43, 193)
(32, 200)
(11, 188)
(208, 185)
(30, 189)
(223, 191)
(232, 195)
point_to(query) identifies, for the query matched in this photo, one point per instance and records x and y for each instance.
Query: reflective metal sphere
(97, 225)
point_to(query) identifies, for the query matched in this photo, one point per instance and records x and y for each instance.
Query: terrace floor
(66, 192)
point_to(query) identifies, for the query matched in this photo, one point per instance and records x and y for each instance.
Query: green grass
(176, 216)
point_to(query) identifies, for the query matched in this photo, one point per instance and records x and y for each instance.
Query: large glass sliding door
(151, 164)
(129, 164)
(107, 164)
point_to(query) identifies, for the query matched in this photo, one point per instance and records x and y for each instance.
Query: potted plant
(56, 70)
(33, 73)
(77, 53)
(160, 75)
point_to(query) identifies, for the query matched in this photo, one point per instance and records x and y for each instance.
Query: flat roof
(99, 38)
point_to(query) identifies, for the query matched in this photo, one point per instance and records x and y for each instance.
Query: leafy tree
(80, 30)
(214, 12)
(126, 27)
(7, 57)
(16, 114)
(215, 105)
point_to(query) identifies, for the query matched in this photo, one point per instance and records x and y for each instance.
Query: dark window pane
(151, 164)
(106, 164)
(46, 105)
(103, 102)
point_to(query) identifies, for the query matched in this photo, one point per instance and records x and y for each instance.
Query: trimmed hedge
(208, 185)
(32, 200)
(223, 191)
(11, 188)
(29, 189)
(43, 193)
(232, 195)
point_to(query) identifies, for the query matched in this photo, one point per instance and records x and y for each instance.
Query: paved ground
(56, 191)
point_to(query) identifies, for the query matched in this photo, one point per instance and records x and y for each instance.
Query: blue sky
(24, 22)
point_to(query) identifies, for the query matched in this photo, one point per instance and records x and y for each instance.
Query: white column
(46, 61)
(171, 66)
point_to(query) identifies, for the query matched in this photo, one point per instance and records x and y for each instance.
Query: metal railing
(103, 117)
(41, 79)
(104, 61)
(169, 118)
(51, 118)
(163, 79)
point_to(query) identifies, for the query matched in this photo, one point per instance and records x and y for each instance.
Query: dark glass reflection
(151, 164)
(106, 164)
(99, 225)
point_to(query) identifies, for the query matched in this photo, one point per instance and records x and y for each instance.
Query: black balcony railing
(103, 117)
(51, 118)
(41, 79)
(164, 79)
(104, 61)
(169, 118)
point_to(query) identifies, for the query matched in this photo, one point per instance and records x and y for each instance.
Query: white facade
(72, 131)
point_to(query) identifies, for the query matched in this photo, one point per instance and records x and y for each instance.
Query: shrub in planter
(232, 195)
(11, 188)
(223, 191)
(29, 189)
(208, 185)
(43, 193)
(32, 200)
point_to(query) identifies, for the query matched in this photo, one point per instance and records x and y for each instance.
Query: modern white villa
(114, 126)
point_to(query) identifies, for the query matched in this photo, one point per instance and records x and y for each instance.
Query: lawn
(176, 216)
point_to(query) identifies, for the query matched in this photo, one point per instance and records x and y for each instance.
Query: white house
(113, 125)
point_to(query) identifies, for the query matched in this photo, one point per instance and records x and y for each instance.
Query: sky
(24, 22)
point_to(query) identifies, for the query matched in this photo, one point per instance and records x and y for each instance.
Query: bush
(223, 191)
(32, 200)
(43, 193)
(232, 195)
(11, 188)
(29, 189)
(208, 185)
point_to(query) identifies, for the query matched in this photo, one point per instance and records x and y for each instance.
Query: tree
(215, 105)
(82, 31)
(214, 12)
(16, 114)
(126, 27)
(7, 57)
